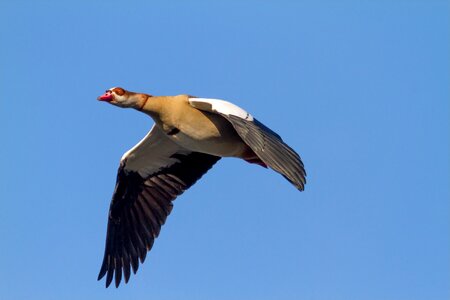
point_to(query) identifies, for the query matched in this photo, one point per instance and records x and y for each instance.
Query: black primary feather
(139, 208)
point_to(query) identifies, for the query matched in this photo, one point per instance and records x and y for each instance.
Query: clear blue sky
(360, 89)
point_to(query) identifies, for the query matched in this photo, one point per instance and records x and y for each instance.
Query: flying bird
(189, 136)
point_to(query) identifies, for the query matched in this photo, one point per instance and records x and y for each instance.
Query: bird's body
(189, 136)
(194, 129)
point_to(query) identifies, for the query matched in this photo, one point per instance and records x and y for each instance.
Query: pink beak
(106, 97)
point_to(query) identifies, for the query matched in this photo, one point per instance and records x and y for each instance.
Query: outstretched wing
(266, 144)
(151, 175)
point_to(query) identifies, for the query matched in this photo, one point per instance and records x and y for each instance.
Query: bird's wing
(266, 144)
(151, 175)
(221, 107)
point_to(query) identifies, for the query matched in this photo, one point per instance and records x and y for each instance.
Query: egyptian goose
(189, 136)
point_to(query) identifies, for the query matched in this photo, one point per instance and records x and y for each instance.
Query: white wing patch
(152, 153)
(220, 106)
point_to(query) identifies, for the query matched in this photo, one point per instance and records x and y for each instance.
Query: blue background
(359, 88)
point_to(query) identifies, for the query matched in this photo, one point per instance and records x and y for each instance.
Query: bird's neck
(141, 101)
(150, 105)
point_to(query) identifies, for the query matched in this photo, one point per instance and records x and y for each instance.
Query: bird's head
(123, 98)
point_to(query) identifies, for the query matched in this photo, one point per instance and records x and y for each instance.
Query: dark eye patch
(119, 91)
